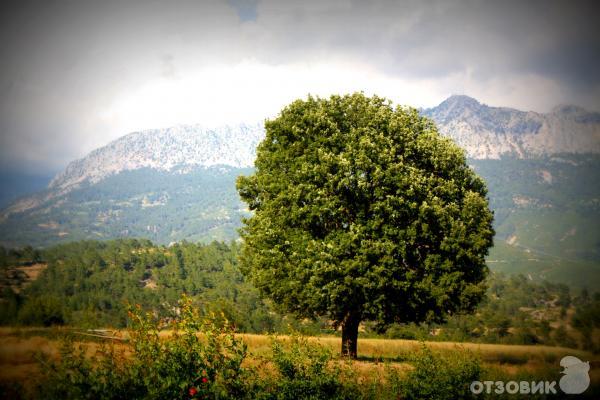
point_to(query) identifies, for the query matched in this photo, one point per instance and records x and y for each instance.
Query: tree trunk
(350, 335)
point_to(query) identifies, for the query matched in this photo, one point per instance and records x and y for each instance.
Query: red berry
(204, 379)
(193, 391)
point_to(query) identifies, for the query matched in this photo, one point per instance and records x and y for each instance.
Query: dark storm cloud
(63, 62)
(429, 39)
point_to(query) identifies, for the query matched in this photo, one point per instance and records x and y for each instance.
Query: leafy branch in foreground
(196, 359)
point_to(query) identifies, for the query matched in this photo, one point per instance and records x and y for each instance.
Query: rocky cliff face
(493, 132)
(177, 148)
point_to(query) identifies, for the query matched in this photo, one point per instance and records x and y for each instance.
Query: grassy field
(20, 348)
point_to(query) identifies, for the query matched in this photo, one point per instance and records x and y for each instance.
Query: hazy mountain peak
(460, 100)
(494, 132)
(166, 149)
(484, 131)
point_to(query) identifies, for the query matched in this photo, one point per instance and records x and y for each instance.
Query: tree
(363, 211)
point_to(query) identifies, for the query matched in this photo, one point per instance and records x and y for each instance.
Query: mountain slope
(494, 132)
(178, 147)
(179, 183)
(177, 150)
(163, 206)
(546, 213)
(164, 184)
(16, 184)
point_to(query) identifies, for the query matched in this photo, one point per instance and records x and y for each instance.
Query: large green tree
(362, 211)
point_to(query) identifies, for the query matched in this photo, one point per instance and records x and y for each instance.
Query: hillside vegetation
(90, 284)
(545, 213)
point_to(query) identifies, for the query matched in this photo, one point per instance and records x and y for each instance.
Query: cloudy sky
(76, 74)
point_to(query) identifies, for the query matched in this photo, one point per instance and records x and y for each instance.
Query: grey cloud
(60, 60)
(432, 39)
(246, 9)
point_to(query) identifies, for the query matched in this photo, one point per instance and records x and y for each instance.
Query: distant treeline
(91, 283)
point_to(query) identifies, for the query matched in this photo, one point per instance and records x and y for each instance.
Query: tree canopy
(362, 211)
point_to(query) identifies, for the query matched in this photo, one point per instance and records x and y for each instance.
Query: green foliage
(19, 256)
(515, 310)
(9, 301)
(547, 208)
(562, 338)
(89, 284)
(198, 360)
(546, 205)
(45, 310)
(441, 376)
(93, 281)
(587, 319)
(306, 371)
(587, 315)
(163, 206)
(364, 212)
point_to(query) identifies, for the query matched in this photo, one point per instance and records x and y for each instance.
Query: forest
(91, 284)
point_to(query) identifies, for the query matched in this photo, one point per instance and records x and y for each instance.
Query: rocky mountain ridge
(177, 148)
(487, 133)
(494, 132)
(484, 132)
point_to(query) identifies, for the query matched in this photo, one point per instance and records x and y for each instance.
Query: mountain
(179, 148)
(494, 132)
(178, 183)
(546, 213)
(198, 204)
(164, 184)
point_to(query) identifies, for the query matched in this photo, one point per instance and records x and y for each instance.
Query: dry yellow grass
(18, 356)
(19, 347)
(21, 350)
(399, 349)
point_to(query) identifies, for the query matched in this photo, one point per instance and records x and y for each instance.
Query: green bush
(42, 311)
(306, 371)
(198, 361)
(441, 376)
(202, 359)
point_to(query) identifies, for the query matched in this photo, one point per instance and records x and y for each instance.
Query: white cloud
(251, 91)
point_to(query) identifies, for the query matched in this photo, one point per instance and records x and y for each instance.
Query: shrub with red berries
(198, 359)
